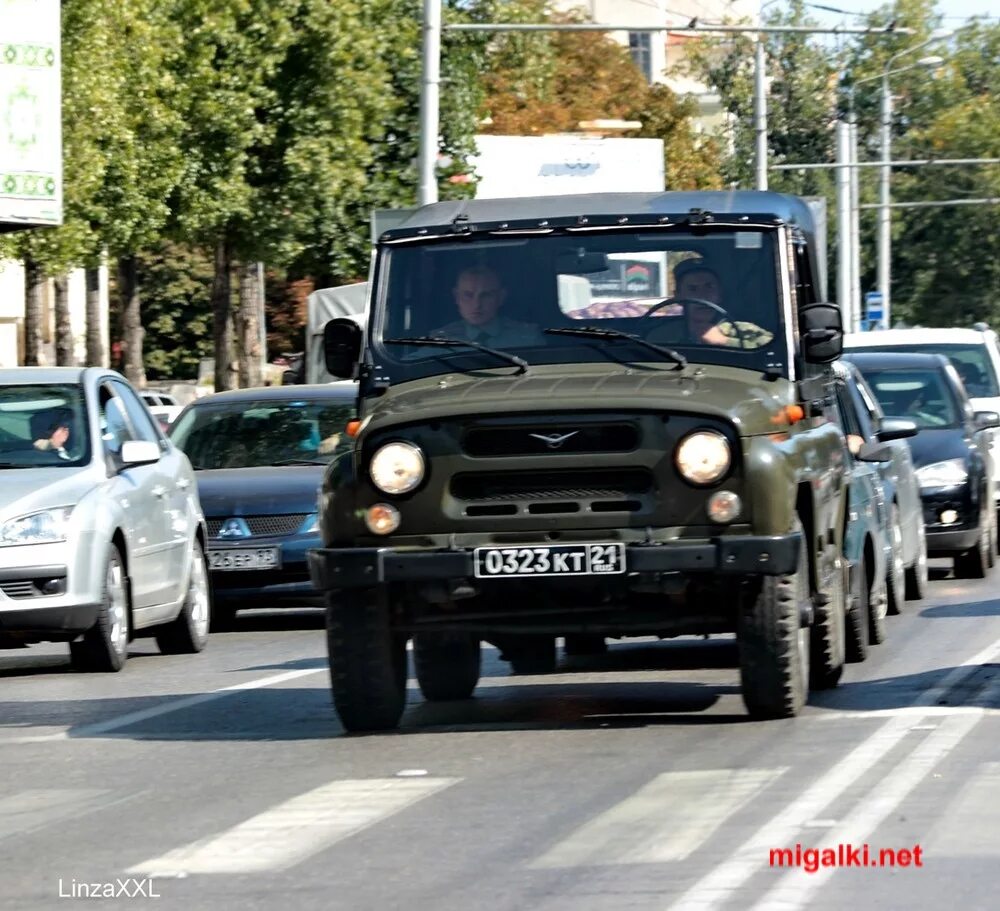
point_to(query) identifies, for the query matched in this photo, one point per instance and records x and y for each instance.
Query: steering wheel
(685, 302)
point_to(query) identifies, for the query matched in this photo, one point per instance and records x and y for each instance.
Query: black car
(260, 455)
(950, 452)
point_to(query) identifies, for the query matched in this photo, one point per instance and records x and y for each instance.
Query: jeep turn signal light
(352, 428)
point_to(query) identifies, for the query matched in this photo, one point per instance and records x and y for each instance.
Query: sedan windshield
(971, 361)
(254, 434)
(921, 396)
(43, 425)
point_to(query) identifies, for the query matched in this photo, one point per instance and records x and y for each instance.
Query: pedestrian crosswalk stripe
(667, 819)
(296, 829)
(36, 807)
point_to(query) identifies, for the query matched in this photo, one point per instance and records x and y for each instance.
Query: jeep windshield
(710, 294)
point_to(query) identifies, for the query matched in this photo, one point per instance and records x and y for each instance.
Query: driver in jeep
(698, 287)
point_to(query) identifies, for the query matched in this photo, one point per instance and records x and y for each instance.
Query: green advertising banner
(30, 114)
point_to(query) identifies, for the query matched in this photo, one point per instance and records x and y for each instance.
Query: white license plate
(243, 559)
(550, 560)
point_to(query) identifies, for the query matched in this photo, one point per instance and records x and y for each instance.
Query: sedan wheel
(916, 575)
(895, 582)
(104, 647)
(188, 631)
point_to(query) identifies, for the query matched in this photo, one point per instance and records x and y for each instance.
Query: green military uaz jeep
(586, 416)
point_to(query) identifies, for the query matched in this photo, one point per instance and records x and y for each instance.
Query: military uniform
(744, 334)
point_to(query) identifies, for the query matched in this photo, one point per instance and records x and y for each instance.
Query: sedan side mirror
(139, 452)
(874, 452)
(986, 420)
(342, 347)
(895, 429)
(821, 329)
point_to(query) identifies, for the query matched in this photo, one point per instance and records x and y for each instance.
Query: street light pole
(884, 212)
(760, 113)
(430, 104)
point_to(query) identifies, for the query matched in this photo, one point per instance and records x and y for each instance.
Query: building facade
(12, 316)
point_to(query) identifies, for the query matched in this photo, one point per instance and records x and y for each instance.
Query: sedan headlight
(703, 457)
(397, 468)
(45, 527)
(311, 524)
(950, 473)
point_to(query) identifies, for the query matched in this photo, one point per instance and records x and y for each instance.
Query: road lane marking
(34, 808)
(296, 829)
(795, 889)
(176, 705)
(723, 882)
(667, 819)
(967, 828)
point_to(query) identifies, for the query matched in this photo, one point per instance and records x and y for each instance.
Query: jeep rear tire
(532, 654)
(773, 644)
(446, 664)
(579, 645)
(828, 634)
(368, 667)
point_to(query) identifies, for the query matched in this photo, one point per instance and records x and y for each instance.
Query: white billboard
(30, 114)
(559, 165)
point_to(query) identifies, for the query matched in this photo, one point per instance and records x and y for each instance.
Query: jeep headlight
(950, 473)
(397, 468)
(45, 527)
(703, 457)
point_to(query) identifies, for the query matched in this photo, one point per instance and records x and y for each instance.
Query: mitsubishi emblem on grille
(234, 528)
(554, 440)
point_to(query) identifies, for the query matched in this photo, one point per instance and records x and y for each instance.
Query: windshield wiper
(597, 332)
(299, 462)
(518, 362)
(16, 465)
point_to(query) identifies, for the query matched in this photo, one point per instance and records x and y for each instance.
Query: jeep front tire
(368, 666)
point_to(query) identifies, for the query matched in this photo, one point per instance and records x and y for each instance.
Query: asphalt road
(631, 781)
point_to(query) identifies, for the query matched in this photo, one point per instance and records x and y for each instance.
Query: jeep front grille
(558, 439)
(549, 492)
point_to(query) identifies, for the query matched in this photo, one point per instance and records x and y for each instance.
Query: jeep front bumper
(359, 567)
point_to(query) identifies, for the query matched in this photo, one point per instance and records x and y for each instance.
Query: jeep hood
(746, 398)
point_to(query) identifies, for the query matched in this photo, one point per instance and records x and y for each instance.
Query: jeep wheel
(446, 664)
(828, 636)
(895, 577)
(367, 660)
(188, 632)
(974, 562)
(773, 644)
(916, 575)
(530, 655)
(104, 647)
(857, 615)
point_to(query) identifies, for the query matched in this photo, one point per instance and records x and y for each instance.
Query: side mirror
(986, 420)
(821, 329)
(874, 452)
(895, 429)
(342, 347)
(139, 452)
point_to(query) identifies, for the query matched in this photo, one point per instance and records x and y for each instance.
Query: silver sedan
(101, 530)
